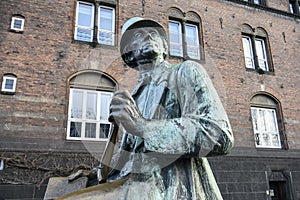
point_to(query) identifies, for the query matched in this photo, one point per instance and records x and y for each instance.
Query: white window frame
(180, 44)
(111, 32)
(90, 28)
(12, 25)
(262, 128)
(5, 79)
(196, 46)
(262, 58)
(83, 120)
(249, 56)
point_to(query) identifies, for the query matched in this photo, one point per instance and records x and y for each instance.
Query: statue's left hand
(125, 111)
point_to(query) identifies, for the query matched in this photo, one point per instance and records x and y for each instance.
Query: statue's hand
(90, 174)
(125, 111)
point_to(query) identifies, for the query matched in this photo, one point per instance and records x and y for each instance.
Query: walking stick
(108, 153)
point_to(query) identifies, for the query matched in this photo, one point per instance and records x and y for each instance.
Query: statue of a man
(173, 120)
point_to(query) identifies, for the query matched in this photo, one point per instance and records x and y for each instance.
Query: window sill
(8, 92)
(265, 72)
(94, 44)
(180, 58)
(69, 139)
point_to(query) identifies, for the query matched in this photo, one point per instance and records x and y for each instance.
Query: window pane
(106, 19)
(18, 24)
(84, 34)
(106, 26)
(77, 104)
(175, 39)
(265, 127)
(90, 130)
(275, 140)
(104, 109)
(106, 37)
(91, 105)
(261, 54)
(175, 32)
(75, 129)
(257, 1)
(291, 8)
(9, 84)
(85, 15)
(191, 35)
(104, 130)
(254, 119)
(248, 52)
(85, 22)
(192, 41)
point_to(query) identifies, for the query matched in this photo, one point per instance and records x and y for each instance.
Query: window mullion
(184, 40)
(255, 57)
(96, 22)
(98, 115)
(83, 114)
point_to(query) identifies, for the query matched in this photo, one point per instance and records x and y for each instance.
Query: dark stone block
(59, 186)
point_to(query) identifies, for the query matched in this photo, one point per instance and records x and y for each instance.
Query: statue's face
(146, 43)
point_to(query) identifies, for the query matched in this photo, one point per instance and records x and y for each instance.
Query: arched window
(256, 49)
(89, 100)
(267, 122)
(185, 34)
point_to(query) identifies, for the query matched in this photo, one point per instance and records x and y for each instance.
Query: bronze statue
(173, 120)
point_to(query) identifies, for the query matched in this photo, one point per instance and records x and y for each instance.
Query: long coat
(186, 123)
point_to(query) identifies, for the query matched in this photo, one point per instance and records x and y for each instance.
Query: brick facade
(45, 56)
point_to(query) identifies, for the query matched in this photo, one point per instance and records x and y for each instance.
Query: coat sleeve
(203, 128)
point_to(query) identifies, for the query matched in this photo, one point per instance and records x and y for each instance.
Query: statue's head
(142, 41)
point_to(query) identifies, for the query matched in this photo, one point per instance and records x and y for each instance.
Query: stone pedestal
(59, 186)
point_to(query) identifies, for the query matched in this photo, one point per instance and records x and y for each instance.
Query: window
(87, 21)
(17, 24)
(265, 127)
(9, 84)
(267, 122)
(175, 35)
(259, 48)
(84, 22)
(255, 46)
(90, 96)
(89, 112)
(294, 6)
(106, 26)
(184, 34)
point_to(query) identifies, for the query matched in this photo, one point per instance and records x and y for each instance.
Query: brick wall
(45, 56)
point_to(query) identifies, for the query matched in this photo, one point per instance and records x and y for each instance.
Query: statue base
(60, 186)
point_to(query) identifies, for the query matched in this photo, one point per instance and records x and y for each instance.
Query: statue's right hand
(90, 174)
